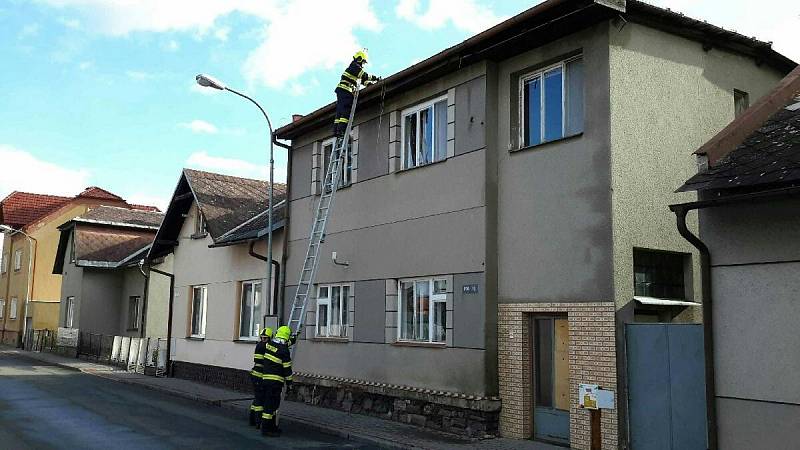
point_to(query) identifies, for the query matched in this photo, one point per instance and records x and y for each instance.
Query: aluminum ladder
(317, 236)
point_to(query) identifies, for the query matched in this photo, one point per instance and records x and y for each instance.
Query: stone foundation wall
(224, 377)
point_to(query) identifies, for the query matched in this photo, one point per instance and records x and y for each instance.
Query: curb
(228, 405)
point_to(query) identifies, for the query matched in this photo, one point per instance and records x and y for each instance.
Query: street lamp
(211, 82)
(5, 229)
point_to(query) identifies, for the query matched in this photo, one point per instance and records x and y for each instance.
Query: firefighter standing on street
(277, 371)
(345, 89)
(257, 408)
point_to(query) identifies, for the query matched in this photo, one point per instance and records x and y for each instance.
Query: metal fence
(147, 356)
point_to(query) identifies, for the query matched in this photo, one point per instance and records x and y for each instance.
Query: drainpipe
(708, 330)
(286, 220)
(169, 315)
(277, 268)
(144, 298)
(8, 286)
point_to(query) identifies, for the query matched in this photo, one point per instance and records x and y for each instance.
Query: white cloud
(200, 126)
(236, 167)
(28, 173)
(464, 14)
(222, 33)
(139, 75)
(139, 198)
(75, 24)
(171, 46)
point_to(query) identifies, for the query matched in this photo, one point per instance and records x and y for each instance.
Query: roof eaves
(116, 224)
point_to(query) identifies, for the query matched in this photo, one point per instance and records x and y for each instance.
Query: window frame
(433, 299)
(540, 73)
(17, 260)
(344, 312)
(416, 109)
(204, 312)
(2, 308)
(200, 224)
(4, 263)
(134, 320)
(656, 264)
(12, 308)
(346, 171)
(69, 316)
(253, 317)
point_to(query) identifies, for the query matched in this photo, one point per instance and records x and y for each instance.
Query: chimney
(296, 117)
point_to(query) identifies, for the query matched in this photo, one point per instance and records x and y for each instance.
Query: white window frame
(137, 313)
(343, 311)
(540, 73)
(345, 171)
(415, 110)
(69, 317)
(203, 313)
(2, 308)
(255, 312)
(12, 308)
(433, 299)
(17, 260)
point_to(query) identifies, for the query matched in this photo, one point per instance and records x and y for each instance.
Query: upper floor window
(424, 133)
(199, 303)
(12, 309)
(346, 169)
(134, 312)
(552, 102)
(250, 312)
(200, 228)
(741, 101)
(332, 309)
(659, 274)
(4, 264)
(17, 260)
(423, 310)
(69, 307)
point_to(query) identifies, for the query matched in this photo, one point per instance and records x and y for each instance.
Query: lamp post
(211, 82)
(11, 231)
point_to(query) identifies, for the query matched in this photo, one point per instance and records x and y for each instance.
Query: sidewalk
(358, 428)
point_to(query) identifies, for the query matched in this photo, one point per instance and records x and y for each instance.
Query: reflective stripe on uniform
(341, 120)
(256, 408)
(273, 358)
(272, 349)
(286, 365)
(258, 356)
(269, 376)
(349, 75)
(346, 87)
(266, 416)
(289, 378)
(256, 373)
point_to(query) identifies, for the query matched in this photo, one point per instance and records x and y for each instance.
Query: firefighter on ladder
(345, 89)
(277, 371)
(257, 408)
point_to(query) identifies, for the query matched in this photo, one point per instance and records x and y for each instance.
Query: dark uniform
(257, 408)
(277, 366)
(344, 94)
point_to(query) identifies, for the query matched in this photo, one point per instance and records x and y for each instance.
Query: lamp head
(6, 229)
(209, 81)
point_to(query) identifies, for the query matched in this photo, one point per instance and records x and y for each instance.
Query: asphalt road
(44, 407)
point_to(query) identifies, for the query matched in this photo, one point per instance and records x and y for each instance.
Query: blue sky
(101, 92)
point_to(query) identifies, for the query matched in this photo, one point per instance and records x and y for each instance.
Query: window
(250, 312)
(17, 260)
(552, 103)
(658, 274)
(200, 229)
(424, 133)
(332, 301)
(741, 101)
(346, 170)
(12, 310)
(199, 302)
(2, 308)
(69, 306)
(423, 310)
(134, 312)
(4, 264)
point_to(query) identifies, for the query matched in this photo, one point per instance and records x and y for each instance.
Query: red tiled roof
(96, 192)
(144, 207)
(22, 208)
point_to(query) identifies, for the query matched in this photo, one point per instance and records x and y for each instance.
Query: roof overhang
(771, 194)
(654, 301)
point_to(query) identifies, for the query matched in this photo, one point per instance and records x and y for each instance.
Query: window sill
(195, 338)
(546, 143)
(199, 236)
(423, 165)
(342, 340)
(420, 344)
(246, 341)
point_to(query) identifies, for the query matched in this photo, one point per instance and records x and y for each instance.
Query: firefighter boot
(252, 420)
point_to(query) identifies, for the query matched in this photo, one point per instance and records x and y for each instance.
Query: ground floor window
(250, 310)
(332, 309)
(2, 308)
(199, 302)
(12, 310)
(422, 314)
(134, 312)
(69, 307)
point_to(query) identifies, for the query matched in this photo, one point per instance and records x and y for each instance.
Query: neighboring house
(215, 229)
(504, 211)
(102, 285)
(749, 189)
(39, 216)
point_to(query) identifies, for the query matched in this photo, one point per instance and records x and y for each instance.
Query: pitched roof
(107, 246)
(758, 150)
(536, 26)
(112, 215)
(98, 193)
(255, 228)
(21, 208)
(230, 206)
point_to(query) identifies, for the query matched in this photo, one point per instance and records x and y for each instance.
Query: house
(749, 237)
(215, 229)
(102, 285)
(39, 216)
(502, 216)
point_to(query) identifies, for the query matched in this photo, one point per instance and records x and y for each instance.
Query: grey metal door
(666, 386)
